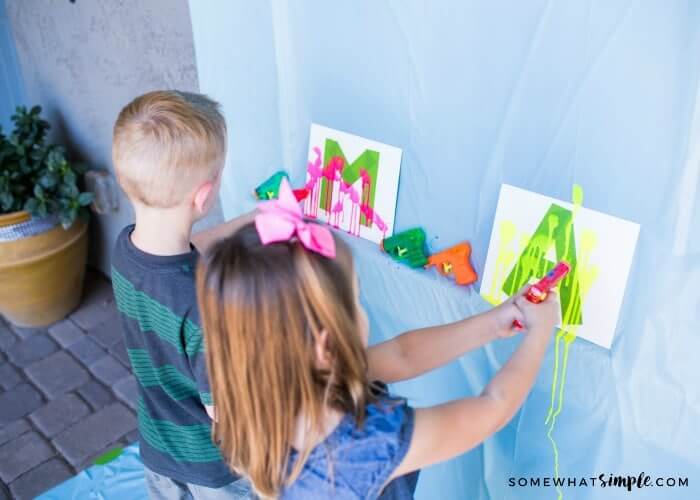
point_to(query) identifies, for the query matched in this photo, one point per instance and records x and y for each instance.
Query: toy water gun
(539, 291)
(455, 262)
(270, 188)
(407, 247)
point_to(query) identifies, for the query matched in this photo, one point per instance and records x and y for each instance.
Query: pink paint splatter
(314, 172)
(332, 173)
(349, 191)
(337, 212)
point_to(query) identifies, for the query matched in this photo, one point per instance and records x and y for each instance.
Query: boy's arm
(197, 359)
(206, 238)
(418, 351)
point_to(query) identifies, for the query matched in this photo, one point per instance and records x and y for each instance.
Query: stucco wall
(83, 61)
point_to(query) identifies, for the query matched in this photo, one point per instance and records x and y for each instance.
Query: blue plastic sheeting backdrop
(122, 478)
(537, 94)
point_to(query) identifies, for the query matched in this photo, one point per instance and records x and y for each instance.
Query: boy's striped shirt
(157, 303)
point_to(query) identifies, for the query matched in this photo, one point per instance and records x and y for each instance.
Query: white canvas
(612, 255)
(386, 185)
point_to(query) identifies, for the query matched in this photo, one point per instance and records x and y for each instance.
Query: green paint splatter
(556, 229)
(107, 457)
(504, 258)
(576, 197)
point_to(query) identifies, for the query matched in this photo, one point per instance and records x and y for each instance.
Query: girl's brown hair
(263, 308)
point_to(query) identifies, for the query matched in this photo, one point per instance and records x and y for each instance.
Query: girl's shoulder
(355, 461)
(387, 420)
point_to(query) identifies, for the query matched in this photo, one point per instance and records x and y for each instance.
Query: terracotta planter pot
(41, 276)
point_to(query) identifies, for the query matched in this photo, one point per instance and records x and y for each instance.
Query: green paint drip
(504, 257)
(555, 376)
(577, 197)
(568, 340)
(107, 457)
(560, 494)
(583, 277)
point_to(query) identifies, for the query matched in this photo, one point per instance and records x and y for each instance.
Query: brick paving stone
(17, 402)
(109, 370)
(132, 437)
(98, 302)
(57, 374)
(108, 332)
(23, 454)
(40, 479)
(118, 350)
(11, 431)
(30, 350)
(65, 332)
(9, 376)
(93, 434)
(87, 351)
(96, 395)
(127, 390)
(26, 332)
(7, 336)
(59, 414)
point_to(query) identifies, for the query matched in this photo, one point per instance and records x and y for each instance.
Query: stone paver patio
(67, 395)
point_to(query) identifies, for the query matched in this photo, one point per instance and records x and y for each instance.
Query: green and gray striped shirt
(158, 307)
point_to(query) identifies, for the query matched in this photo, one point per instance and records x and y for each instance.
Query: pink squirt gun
(539, 291)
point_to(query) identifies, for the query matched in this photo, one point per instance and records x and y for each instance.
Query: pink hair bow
(282, 220)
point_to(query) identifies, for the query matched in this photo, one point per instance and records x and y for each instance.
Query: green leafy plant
(35, 176)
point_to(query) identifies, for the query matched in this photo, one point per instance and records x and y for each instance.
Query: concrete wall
(83, 61)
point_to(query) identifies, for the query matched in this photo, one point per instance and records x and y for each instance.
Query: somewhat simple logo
(626, 482)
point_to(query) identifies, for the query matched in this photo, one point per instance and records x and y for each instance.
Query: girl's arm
(445, 431)
(418, 351)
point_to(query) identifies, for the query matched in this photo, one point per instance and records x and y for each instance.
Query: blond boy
(168, 152)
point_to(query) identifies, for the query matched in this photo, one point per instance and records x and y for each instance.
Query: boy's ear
(323, 360)
(201, 196)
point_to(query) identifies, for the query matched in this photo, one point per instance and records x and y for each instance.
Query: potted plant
(43, 225)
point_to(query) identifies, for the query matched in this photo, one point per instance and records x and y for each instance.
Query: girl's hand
(504, 315)
(540, 317)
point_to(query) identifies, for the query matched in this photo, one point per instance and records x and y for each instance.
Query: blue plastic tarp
(122, 478)
(537, 94)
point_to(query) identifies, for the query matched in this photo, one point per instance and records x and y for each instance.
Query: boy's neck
(162, 231)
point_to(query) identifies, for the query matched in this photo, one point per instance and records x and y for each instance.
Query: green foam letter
(368, 160)
(555, 229)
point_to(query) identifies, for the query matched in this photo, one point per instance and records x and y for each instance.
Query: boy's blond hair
(167, 143)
